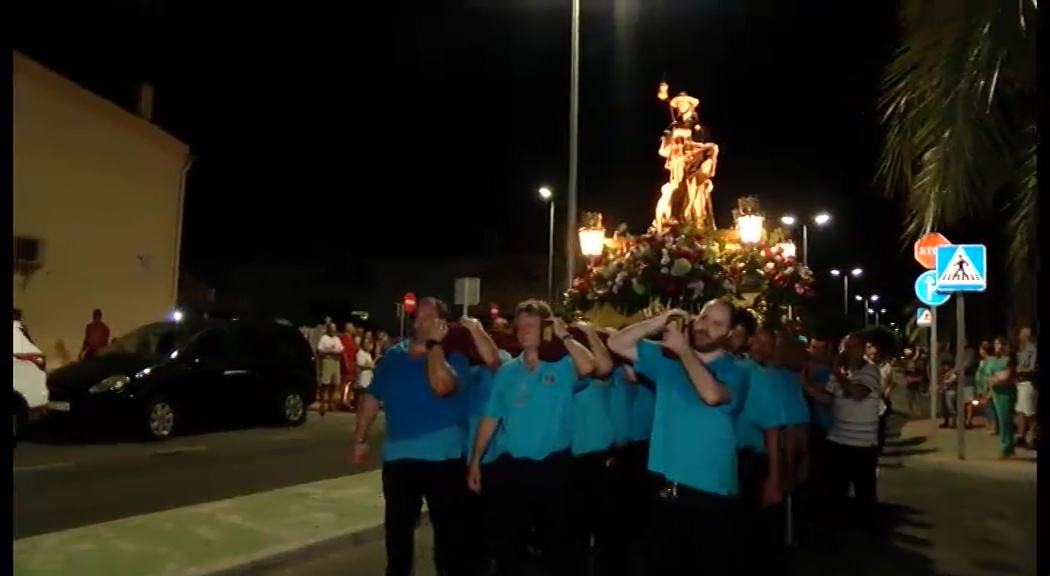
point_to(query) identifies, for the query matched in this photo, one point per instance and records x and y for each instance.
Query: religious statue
(691, 164)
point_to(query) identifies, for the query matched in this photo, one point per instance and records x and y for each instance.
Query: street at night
(63, 486)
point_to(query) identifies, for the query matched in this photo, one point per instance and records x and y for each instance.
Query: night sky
(389, 130)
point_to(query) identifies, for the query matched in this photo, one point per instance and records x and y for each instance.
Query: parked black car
(161, 377)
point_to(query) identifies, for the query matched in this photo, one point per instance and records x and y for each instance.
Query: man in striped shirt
(854, 394)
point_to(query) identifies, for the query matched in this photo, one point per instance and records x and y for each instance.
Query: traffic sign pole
(934, 366)
(960, 368)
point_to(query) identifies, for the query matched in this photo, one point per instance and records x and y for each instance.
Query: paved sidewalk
(214, 537)
(923, 443)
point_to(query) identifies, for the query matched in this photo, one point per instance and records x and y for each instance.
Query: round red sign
(926, 249)
(409, 302)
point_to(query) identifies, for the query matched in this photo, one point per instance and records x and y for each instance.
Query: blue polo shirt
(643, 407)
(621, 394)
(762, 407)
(796, 409)
(534, 406)
(474, 397)
(820, 413)
(693, 444)
(592, 426)
(419, 424)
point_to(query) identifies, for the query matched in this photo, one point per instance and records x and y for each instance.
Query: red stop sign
(408, 301)
(494, 310)
(926, 249)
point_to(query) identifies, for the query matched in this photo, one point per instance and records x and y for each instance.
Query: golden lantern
(661, 93)
(592, 235)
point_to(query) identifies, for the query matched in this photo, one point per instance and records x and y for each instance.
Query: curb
(290, 555)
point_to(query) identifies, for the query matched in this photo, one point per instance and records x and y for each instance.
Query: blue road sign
(926, 289)
(923, 317)
(962, 268)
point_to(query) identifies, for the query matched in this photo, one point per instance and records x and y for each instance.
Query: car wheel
(292, 408)
(161, 419)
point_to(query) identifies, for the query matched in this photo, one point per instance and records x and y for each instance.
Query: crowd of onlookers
(345, 361)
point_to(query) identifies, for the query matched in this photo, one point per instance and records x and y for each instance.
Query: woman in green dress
(983, 385)
(1004, 394)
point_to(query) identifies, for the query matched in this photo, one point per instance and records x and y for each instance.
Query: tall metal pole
(805, 244)
(550, 255)
(845, 294)
(934, 365)
(574, 140)
(960, 375)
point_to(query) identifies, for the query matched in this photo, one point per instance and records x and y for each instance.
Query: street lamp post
(574, 139)
(548, 196)
(856, 272)
(820, 220)
(866, 302)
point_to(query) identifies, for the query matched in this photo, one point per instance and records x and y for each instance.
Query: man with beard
(425, 436)
(531, 405)
(699, 391)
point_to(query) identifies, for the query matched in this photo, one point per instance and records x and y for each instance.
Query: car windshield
(159, 338)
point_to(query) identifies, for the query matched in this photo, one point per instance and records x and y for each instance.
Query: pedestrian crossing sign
(962, 268)
(923, 317)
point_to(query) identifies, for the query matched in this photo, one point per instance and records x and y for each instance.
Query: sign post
(925, 253)
(961, 268)
(468, 293)
(926, 292)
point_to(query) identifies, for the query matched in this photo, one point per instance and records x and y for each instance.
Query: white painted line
(179, 450)
(51, 466)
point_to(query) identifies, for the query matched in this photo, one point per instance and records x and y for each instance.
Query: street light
(867, 302)
(856, 272)
(820, 220)
(548, 197)
(574, 145)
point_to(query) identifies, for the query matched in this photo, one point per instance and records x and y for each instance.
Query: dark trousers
(482, 520)
(406, 483)
(597, 512)
(851, 466)
(639, 485)
(534, 498)
(692, 528)
(884, 424)
(761, 526)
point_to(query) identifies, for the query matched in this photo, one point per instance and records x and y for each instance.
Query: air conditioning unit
(28, 254)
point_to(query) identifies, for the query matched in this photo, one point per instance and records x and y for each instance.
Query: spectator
(1026, 389)
(1002, 376)
(96, 336)
(983, 384)
(330, 351)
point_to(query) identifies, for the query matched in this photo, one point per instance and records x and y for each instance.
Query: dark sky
(404, 130)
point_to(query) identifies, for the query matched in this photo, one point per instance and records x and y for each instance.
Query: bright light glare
(788, 220)
(546, 193)
(856, 271)
(874, 298)
(870, 311)
(750, 228)
(592, 241)
(176, 316)
(883, 311)
(822, 218)
(858, 298)
(836, 272)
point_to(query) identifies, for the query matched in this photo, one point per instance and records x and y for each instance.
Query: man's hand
(360, 453)
(585, 327)
(675, 341)
(472, 324)
(559, 327)
(434, 330)
(474, 478)
(667, 315)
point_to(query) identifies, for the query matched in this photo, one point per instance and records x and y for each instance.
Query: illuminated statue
(691, 164)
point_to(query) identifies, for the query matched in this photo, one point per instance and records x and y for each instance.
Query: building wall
(102, 189)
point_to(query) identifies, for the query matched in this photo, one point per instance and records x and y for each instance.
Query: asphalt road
(939, 523)
(62, 485)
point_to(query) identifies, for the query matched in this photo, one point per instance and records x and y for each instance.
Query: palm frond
(954, 98)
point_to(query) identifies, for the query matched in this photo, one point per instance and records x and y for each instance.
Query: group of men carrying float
(655, 449)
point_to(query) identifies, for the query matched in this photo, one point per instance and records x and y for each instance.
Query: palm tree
(959, 109)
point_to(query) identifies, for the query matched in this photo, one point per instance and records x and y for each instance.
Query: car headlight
(111, 384)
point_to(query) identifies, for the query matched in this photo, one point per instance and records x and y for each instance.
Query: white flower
(769, 266)
(664, 270)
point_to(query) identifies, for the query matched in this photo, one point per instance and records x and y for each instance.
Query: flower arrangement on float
(684, 266)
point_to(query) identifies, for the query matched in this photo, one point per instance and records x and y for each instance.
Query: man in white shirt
(330, 352)
(1026, 389)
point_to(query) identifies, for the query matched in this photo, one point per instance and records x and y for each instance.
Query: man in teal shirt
(700, 388)
(532, 404)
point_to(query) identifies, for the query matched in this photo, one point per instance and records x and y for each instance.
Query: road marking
(36, 467)
(179, 450)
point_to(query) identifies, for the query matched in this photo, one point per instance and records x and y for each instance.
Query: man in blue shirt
(699, 391)
(593, 434)
(531, 405)
(425, 436)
